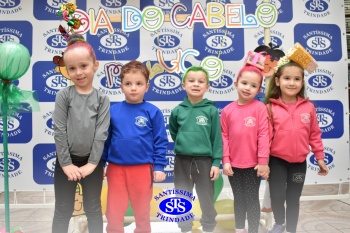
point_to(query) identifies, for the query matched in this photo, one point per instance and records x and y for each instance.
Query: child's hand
(263, 170)
(158, 176)
(214, 173)
(227, 169)
(87, 169)
(105, 171)
(323, 167)
(72, 172)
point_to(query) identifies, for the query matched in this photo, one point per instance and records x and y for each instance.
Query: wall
(319, 25)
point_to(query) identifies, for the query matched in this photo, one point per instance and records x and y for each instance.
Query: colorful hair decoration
(299, 55)
(273, 51)
(255, 59)
(66, 12)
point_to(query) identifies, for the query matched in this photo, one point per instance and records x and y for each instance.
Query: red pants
(132, 183)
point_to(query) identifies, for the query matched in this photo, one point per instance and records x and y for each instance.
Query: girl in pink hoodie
(294, 129)
(245, 136)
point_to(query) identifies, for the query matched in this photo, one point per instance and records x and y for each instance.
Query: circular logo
(320, 81)
(175, 206)
(318, 43)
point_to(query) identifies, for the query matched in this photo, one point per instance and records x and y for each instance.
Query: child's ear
(277, 81)
(97, 63)
(235, 84)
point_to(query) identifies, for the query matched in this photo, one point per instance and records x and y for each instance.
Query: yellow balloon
(104, 198)
(196, 210)
(225, 206)
(155, 203)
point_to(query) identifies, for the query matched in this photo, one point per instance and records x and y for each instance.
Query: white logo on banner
(48, 123)
(320, 81)
(317, 8)
(14, 164)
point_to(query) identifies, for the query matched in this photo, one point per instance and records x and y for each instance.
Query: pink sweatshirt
(295, 131)
(245, 134)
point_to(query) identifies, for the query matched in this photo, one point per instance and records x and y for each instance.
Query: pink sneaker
(241, 231)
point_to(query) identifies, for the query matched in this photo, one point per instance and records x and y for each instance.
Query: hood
(204, 102)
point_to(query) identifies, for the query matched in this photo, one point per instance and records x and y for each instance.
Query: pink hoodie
(245, 134)
(295, 131)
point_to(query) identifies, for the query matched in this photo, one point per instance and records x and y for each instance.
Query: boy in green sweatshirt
(195, 128)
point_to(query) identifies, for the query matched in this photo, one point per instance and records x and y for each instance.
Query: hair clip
(299, 55)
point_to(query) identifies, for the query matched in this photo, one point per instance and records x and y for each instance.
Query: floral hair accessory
(66, 12)
(299, 55)
(255, 59)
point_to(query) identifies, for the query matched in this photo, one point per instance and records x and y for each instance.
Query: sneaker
(266, 210)
(277, 229)
(241, 231)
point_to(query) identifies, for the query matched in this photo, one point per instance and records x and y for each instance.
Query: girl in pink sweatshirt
(294, 129)
(245, 137)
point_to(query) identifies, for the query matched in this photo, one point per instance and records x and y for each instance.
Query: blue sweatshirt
(136, 136)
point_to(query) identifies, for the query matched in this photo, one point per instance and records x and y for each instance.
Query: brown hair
(132, 67)
(274, 91)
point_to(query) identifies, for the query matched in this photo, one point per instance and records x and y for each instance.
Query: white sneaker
(241, 231)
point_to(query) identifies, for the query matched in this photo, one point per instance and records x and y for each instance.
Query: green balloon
(218, 186)
(14, 60)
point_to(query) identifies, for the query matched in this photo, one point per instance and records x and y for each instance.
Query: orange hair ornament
(299, 55)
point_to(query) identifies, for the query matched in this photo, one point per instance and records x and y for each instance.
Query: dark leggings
(245, 186)
(65, 197)
(286, 184)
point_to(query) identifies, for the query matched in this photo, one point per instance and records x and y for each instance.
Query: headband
(299, 55)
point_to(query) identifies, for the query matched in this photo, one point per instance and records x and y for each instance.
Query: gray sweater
(81, 124)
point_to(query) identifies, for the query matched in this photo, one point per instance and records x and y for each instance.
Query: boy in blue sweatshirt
(195, 128)
(135, 151)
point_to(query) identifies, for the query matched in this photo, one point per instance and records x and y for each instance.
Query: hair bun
(74, 38)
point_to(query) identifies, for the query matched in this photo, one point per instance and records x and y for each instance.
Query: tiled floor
(326, 216)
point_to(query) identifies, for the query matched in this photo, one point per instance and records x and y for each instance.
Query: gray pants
(190, 171)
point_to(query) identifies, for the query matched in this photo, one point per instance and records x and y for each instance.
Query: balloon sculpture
(14, 63)
(66, 12)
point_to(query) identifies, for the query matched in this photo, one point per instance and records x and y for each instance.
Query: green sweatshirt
(196, 130)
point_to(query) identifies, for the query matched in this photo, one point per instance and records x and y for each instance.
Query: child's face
(195, 85)
(81, 68)
(134, 86)
(248, 86)
(291, 81)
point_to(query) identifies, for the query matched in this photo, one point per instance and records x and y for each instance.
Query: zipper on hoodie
(294, 138)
